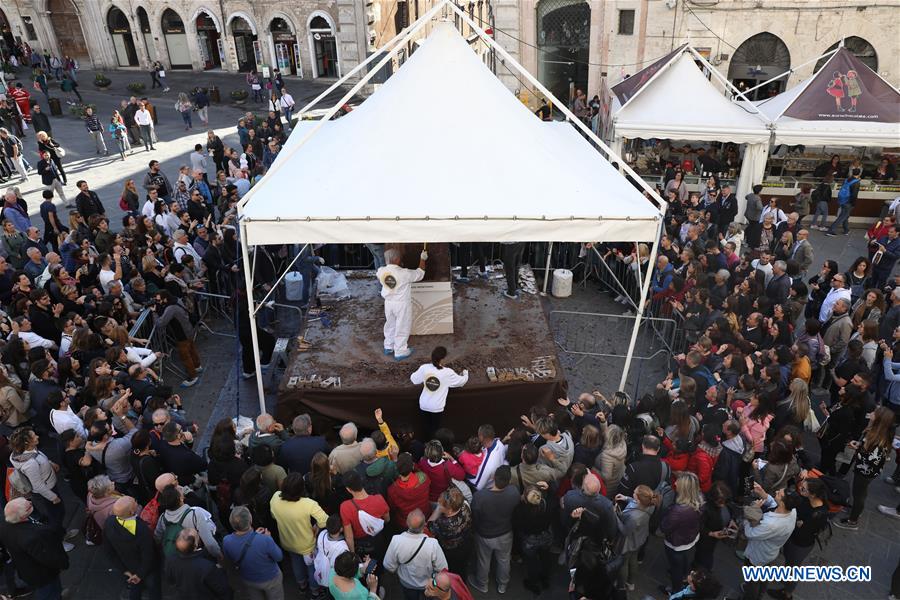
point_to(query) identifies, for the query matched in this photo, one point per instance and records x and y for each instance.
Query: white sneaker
(68, 547)
(189, 382)
(890, 511)
(72, 534)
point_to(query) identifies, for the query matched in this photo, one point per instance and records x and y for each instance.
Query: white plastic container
(293, 286)
(562, 283)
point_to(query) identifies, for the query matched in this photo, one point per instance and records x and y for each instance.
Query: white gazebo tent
(873, 124)
(673, 99)
(444, 152)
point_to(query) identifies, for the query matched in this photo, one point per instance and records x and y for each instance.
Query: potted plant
(136, 87)
(102, 81)
(239, 96)
(77, 110)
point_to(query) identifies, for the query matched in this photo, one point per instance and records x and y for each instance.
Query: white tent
(444, 140)
(678, 102)
(443, 152)
(843, 128)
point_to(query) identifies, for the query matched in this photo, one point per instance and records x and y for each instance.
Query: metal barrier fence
(600, 335)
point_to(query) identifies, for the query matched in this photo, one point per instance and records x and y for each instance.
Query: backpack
(370, 524)
(17, 484)
(372, 484)
(665, 491)
(844, 194)
(122, 204)
(170, 535)
(321, 562)
(839, 495)
(150, 512)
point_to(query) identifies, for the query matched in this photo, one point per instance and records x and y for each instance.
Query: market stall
(656, 120)
(847, 111)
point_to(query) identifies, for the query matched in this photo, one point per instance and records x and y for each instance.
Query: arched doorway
(66, 22)
(323, 47)
(176, 40)
(146, 34)
(563, 40)
(246, 44)
(285, 47)
(857, 46)
(209, 41)
(760, 58)
(120, 30)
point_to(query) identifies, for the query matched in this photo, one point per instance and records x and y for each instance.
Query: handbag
(60, 151)
(162, 73)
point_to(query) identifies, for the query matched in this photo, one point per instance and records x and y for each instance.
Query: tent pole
(547, 267)
(728, 85)
(275, 286)
(254, 334)
(624, 293)
(611, 156)
(414, 28)
(651, 264)
(789, 71)
(353, 72)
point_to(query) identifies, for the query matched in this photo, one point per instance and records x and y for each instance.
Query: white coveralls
(395, 289)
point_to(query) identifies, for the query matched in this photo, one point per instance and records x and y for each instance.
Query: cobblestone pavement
(221, 394)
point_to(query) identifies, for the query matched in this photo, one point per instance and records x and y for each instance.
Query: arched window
(859, 47)
(120, 30)
(760, 58)
(176, 40)
(563, 40)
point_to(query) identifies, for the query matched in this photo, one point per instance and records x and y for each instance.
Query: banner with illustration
(627, 88)
(846, 89)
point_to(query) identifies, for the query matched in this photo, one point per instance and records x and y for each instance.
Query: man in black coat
(296, 453)
(193, 572)
(129, 544)
(730, 465)
(88, 202)
(647, 470)
(36, 549)
(728, 207)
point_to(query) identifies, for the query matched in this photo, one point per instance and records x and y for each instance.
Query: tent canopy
(678, 102)
(444, 141)
(808, 113)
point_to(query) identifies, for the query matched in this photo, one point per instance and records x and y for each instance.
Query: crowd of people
(727, 452)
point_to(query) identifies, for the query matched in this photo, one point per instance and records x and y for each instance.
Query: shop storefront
(286, 50)
(845, 117)
(210, 42)
(246, 44)
(176, 40)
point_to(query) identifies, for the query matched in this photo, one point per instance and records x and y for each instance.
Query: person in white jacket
(33, 466)
(62, 417)
(397, 294)
(436, 381)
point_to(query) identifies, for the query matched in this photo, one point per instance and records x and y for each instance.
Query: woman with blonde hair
(681, 527)
(794, 409)
(14, 402)
(635, 519)
(871, 453)
(47, 144)
(532, 521)
(611, 460)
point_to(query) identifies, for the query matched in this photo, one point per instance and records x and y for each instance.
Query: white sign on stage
(432, 307)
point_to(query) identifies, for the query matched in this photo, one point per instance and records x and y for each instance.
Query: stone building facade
(748, 41)
(304, 38)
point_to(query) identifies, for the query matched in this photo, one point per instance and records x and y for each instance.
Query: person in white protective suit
(395, 289)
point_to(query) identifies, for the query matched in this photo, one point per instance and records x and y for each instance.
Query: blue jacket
(892, 395)
(662, 280)
(890, 255)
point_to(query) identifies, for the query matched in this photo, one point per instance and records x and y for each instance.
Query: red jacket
(677, 461)
(701, 464)
(440, 475)
(405, 496)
